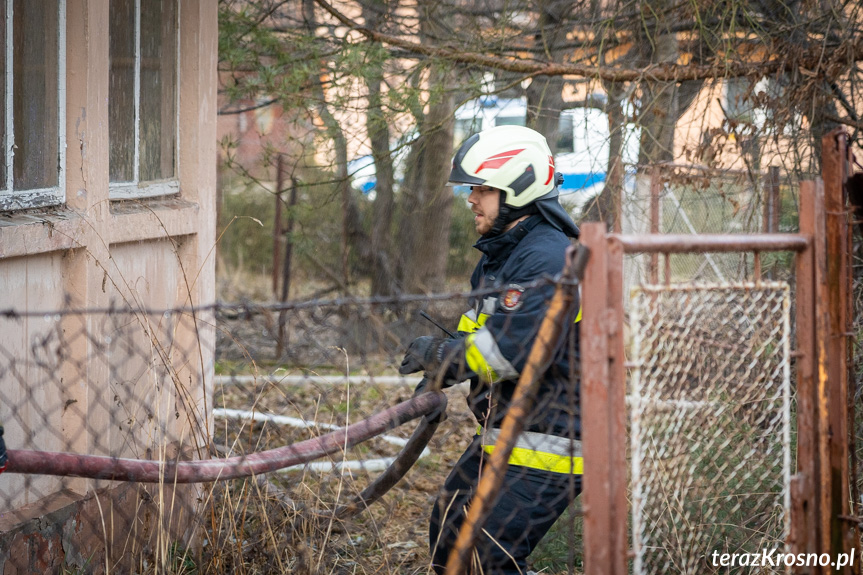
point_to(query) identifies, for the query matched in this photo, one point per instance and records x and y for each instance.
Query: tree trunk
(544, 104)
(425, 268)
(410, 216)
(659, 109)
(609, 204)
(340, 145)
(545, 93)
(819, 113)
(383, 281)
(426, 199)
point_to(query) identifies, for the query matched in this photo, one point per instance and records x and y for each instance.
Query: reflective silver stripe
(485, 344)
(470, 314)
(542, 442)
(489, 305)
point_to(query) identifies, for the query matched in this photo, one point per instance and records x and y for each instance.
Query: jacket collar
(499, 247)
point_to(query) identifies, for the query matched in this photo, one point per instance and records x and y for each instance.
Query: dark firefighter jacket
(499, 332)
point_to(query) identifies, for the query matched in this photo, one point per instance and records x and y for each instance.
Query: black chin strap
(507, 214)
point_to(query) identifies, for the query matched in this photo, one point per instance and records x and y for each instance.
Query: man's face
(485, 204)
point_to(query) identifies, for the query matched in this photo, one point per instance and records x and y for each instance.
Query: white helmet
(514, 159)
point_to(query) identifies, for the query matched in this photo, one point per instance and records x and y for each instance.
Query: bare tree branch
(812, 61)
(263, 104)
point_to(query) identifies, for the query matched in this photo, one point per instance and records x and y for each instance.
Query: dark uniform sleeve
(507, 322)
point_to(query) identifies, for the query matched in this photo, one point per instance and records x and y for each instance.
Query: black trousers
(529, 503)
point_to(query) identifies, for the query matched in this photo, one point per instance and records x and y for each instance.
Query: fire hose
(402, 463)
(202, 471)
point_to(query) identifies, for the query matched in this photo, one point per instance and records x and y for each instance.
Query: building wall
(103, 371)
(251, 136)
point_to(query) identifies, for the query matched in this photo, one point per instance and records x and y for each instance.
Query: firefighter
(524, 233)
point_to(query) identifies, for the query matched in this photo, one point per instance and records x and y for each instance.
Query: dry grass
(282, 523)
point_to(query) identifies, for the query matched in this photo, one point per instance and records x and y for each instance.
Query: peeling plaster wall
(89, 253)
(30, 283)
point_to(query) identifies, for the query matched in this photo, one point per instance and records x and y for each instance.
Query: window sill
(35, 232)
(31, 233)
(29, 199)
(133, 191)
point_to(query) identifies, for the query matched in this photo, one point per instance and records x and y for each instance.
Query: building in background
(107, 201)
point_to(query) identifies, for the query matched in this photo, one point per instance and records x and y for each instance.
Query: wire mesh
(700, 201)
(856, 386)
(711, 423)
(721, 206)
(710, 405)
(240, 380)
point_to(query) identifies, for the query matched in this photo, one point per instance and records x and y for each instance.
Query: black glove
(424, 353)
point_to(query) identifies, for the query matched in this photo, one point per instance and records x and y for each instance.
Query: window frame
(150, 188)
(10, 198)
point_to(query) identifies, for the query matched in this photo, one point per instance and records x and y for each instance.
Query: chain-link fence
(711, 422)
(226, 425)
(687, 200)
(249, 404)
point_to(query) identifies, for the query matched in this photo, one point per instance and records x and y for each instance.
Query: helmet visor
(458, 175)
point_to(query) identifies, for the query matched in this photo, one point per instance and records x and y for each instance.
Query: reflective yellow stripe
(543, 461)
(468, 325)
(476, 362)
(578, 317)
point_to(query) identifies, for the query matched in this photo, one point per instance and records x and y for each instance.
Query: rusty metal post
(618, 540)
(602, 408)
(718, 243)
(834, 171)
(821, 371)
(804, 526)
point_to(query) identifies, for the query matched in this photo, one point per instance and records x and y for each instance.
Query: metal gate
(710, 428)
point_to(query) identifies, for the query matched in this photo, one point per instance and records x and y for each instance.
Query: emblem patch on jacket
(512, 297)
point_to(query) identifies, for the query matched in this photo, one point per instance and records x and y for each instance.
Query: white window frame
(10, 198)
(151, 188)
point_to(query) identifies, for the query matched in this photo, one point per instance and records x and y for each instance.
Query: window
(509, 121)
(465, 128)
(565, 131)
(32, 125)
(739, 94)
(142, 101)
